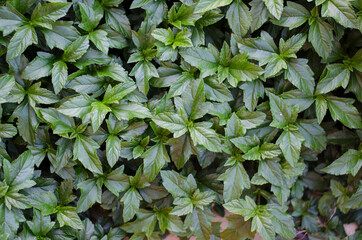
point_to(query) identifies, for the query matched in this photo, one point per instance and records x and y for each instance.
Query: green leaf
(290, 143)
(131, 200)
(68, 216)
(91, 192)
(202, 134)
(239, 18)
(207, 5)
(146, 222)
(272, 172)
(154, 159)
(40, 225)
(27, 121)
(321, 36)
(216, 91)
(283, 114)
(78, 106)
(41, 95)
(76, 50)
(337, 75)
(247, 208)
(356, 199)
(7, 131)
(61, 35)
(40, 67)
(300, 75)
(116, 93)
(49, 12)
(114, 71)
(275, 7)
(314, 135)
(182, 39)
(46, 202)
(20, 171)
(172, 122)
(59, 75)
(128, 111)
(321, 108)
(85, 151)
(117, 181)
(264, 225)
(260, 48)
(163, 35)
(242, 70)
(184, 146)
(65, 192)
(23, 38)
(100, 40)
(143, 72)
(252, 92)
(275, 66)
(259, 14)
(10, 20)
(7, 83)
(118, 21)
(91, 15)
(185, 15)
(293, 16)
(113, 148)
(349, 163)
(98, 113)
(235, 181)
(282, 222)
(178, 185)
(199, 223)
(342, 109)
(205, 59)
(341, 11)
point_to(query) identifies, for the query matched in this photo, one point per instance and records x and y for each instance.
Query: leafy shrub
(146, 117)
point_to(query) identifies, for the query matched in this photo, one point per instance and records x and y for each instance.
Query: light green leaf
(300, 75)
(154, 159)
(40, 67)
(23, 38)
(76, 50)
(342, 109)
(100, 40)
(131, 200)
(275, 7)
(68, 216)
(314, 135)
(205, 59)
(290, 142)
(341, 11)
(235, 181)
(59, 76)
(239, 18)
(337, 75)
(7, 82)
(321, 36)
(85, 151)
(201, 134)
(113, 148)
(206, 5)
(293, 16)
(49, 12)
(349, 163)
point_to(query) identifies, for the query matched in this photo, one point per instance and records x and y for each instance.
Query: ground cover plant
(148, 117)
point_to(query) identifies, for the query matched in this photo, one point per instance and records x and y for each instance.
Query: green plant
(140, 118)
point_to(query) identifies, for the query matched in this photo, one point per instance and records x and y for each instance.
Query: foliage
(145, 117)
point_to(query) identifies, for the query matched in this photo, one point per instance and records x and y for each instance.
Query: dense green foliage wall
(140, 118)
